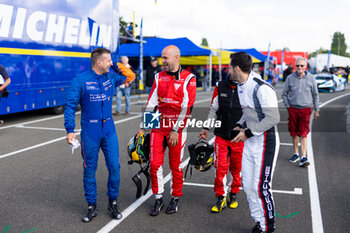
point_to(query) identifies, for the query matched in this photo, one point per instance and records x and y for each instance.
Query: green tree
(338, 44)
(123, 24)
(205, 42)
(318, 51)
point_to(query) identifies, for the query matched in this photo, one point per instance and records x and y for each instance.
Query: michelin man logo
(151, 120)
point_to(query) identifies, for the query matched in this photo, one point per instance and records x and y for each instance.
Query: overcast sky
(300, 25)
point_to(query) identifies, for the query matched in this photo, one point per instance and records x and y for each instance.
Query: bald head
(171, 58)
(172, 49)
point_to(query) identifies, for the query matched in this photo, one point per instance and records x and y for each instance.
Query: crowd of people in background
(339, 71)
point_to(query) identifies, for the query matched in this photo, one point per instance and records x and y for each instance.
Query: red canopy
(289, 57)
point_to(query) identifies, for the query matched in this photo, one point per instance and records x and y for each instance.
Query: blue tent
(252, 52)
(154, 47)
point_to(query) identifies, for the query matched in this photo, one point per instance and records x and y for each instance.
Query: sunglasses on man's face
(299, 65)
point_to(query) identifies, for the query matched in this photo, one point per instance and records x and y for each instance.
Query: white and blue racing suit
(94, 93)
(260, 116)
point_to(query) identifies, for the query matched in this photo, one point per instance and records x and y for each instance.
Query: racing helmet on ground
(138, 148)
(201, 155)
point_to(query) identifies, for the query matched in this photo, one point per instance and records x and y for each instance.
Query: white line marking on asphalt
(57, 139)
(32, 147)
(200, 185)
(52, 118)
(316, 215)
(296, 191)
(283, 122)
(77, 113)
(61, 138)
(41, 128)
(131, 208)
(35, 121)
(128, 119)
(286, 144)
(60, 116)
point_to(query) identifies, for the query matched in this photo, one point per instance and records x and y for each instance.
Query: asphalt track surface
(41, 180)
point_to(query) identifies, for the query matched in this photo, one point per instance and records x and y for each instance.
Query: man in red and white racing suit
(226, 108)
(172, 95)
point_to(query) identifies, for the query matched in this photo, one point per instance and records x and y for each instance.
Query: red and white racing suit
(173, 94)
(228, 156)
(225, 107)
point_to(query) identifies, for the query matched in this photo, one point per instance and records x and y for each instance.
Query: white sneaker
(304, 162)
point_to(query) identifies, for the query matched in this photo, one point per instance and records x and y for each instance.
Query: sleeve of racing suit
(214, 106)
(152, 101)
(190, 88)
(269, 106)
(315, 96)
(73, 98)
(242, 122)
(285, 93)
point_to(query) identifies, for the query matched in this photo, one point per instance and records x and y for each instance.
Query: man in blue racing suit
(93, 90)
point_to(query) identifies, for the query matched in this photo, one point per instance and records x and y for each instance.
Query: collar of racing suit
(176, 73)
(241, 84)
(233, 84)
(98, 75)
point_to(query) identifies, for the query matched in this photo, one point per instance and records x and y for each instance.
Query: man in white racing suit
(257, 129)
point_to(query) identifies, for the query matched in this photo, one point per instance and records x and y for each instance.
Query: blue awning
(252, 52)
(154, 47)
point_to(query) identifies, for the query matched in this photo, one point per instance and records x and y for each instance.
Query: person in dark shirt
(287, 72)
(226, 108)
(224, 74)
(4, 82)
(325, 70)
(152, 70)
(347, 71)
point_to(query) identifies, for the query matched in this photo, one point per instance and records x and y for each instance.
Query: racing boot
(113, 208)
(256, 228)
(232, 201)
(92, 212)
(173, 206)
(158, 205)
(220, 205)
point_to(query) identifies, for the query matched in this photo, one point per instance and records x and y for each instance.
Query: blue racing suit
(94, 93)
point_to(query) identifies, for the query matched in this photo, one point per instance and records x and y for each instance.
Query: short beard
(104, 71)
(232, 78)
(170, 68)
